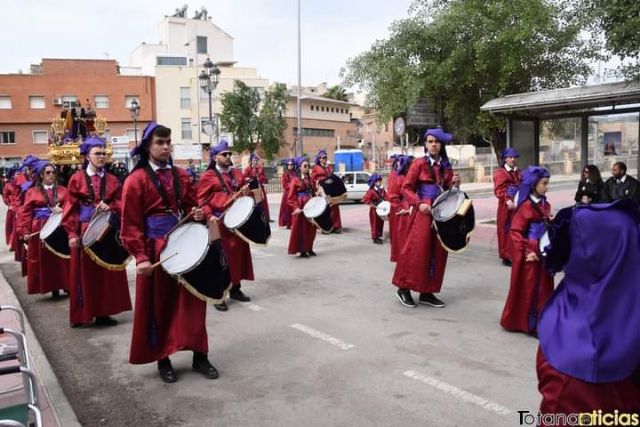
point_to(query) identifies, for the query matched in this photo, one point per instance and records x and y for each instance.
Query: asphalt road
(324, 342)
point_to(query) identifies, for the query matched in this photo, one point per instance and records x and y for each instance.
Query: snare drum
(334, 187)
(318, 212)
(197, 265)
(383, 209)
(248, 221)
(54, 236)
(101, 241)
(454, 219)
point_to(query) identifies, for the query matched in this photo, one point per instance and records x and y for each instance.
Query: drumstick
(163, 260)
(32, 234)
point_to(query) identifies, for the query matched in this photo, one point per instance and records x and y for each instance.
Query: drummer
(373, 197)
(167, 317)
(531, 285)
(94, 290)
(505, 185)
(400, 210)
(8, 193)
(256, 171)
(46, 271)
(284, 216)
(423, 260)
(321, 171)
(217, 187)
(301, 189)
(21, 183)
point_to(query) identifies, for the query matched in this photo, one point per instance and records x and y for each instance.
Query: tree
(337, 92)
(254, 121)
(462, 53)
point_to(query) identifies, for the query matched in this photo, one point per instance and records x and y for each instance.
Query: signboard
(423, 114)
(120, 147)
(187, 151)
(399, 126)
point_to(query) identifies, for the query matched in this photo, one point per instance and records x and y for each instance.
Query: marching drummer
(301, 189)
(94, 290)
(21, 183)
(218, 186)
(167, 317)
(256, 171)
(46, 271)
(423, 260)
(321, 171)
(399, 217)
(373, 197)
(284, 216)
(8, 193)
(531, 284)
(505, 185)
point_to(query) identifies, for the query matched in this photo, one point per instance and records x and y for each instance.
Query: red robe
(284, 218)
(531, 285)
(503, 181)
(16, 204)
(398, 224)
(320, 173)
(237, 250)
(423, 260)
(258, 173)
(564, 394)
(47, 272)
(373, 197)
(303, 232)
(167, 317)
(94, 291)
(9, 221)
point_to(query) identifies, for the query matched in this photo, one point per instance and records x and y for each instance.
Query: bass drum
(454, 219)
(318, 212)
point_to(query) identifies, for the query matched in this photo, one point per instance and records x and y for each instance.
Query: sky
(265, 31)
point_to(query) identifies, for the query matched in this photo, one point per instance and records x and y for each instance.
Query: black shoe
(221, 307)
(77, 325)
(55, 295)
(506, 262)
(312, 253)
(201, 364)
(238, 295)
(404, 295)
(377, 241)
(167, 374)
(105, 321)
(337, 231)
(304, 255)
(431, 299)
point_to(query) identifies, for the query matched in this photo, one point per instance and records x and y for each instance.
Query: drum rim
(163, 253)
(460, 195)
(387, 207)
(244, 221)
(53, 214)
(91, 224)
(318, 198)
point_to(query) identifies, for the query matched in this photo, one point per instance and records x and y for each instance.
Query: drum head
(383, 208)
(239, 212)
(51, 225)
(314, 207)
(516, 197)
(190, 242)
(544, 242)
(96, 228)
(447, 204)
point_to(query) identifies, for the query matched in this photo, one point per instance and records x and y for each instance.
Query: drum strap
(161, 190)
(92, 192)
(50, 203)
(223, 183)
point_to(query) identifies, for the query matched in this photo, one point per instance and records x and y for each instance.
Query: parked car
(356, 183)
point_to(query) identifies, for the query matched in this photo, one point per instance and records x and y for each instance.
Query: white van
(356, 183)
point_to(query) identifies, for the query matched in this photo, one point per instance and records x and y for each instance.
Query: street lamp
(208, 82)
(134, 110)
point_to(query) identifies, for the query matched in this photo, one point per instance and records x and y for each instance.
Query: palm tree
(337, 92)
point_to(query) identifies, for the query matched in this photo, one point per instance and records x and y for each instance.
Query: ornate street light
(134, 110)
(209, 78)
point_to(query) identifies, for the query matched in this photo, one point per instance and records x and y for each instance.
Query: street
(323, 342)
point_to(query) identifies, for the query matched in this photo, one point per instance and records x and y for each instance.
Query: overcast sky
(264, 31)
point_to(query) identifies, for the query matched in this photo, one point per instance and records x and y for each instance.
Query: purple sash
(41, 213)
(536, 230)
(159, 225)
(512, 190)
(85, 213)
(428, 191)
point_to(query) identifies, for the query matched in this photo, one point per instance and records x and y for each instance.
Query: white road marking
(321, 335)
(251, 306)
(458, 393)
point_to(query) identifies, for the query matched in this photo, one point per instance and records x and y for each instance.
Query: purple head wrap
(402, 165)
(39, 166)
(373, 179)
(300, 160)
(139, 150)
(29, 161)
(530, 178)
(321, 153)
(440, 135)
(89, 143)
(253, 157)
(510, 152)
(589, 327)
(222, 147)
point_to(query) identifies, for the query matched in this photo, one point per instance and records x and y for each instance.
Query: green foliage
(254, 121)
(337, 92)
(462, 53)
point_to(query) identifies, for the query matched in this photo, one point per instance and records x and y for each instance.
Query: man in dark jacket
(621, 185)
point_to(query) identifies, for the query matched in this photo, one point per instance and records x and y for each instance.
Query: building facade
(29, 102)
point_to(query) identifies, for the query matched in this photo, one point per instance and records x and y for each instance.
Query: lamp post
(208, 82)
(134, 110)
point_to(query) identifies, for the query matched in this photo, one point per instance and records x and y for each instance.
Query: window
(171, 60)
(322, 108)
(323, 133)
(129, 99)
(202, 44)
(312, 108)
(69, 101)
(362, 178)
(332, 109)
(40, 137)
(5, 102)
(185, 98)
(348, 179)
(101, 101)
(186, 129)
(36, 102)
(131, 133)
(7, 137)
